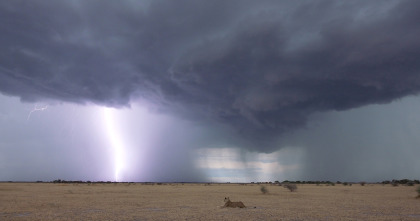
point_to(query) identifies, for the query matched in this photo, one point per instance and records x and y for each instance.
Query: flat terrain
(48, 201)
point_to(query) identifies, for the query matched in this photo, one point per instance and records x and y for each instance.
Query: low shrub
(263, 190)
(418, 192)
(290, 186)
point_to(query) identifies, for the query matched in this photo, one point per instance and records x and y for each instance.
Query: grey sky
(250, 74)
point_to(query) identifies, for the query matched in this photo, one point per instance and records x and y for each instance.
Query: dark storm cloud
(262, 67)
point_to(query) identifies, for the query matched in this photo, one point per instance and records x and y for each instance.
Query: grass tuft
(264, 190)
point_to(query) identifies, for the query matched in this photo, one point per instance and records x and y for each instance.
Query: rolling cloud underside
(260, 66)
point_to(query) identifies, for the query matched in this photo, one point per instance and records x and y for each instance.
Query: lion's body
(229, 203)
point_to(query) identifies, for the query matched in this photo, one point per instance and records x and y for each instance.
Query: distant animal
(229, 203)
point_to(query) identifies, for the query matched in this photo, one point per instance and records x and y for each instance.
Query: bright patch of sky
(236, 165)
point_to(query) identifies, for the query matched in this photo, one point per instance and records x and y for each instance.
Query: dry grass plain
(48, 201)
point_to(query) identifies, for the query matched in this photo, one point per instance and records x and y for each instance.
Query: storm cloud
(261, 67)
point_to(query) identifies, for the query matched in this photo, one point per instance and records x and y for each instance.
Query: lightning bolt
(115, 140)
(36, 108)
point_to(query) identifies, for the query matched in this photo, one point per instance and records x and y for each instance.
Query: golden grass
(47, 201)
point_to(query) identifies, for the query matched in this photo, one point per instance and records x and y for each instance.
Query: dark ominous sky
(209, 90)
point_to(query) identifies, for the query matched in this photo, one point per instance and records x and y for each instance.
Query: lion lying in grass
(229, 203)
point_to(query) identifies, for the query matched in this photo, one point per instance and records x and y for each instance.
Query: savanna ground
(49, 201)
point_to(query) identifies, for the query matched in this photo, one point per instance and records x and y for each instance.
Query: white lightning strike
(115, 140)
(36, 108)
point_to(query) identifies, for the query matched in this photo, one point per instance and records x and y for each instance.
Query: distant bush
(394, 184)
(290, 186)
(402, 182)
(418, 192)
(362, 183)
(263, 190)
